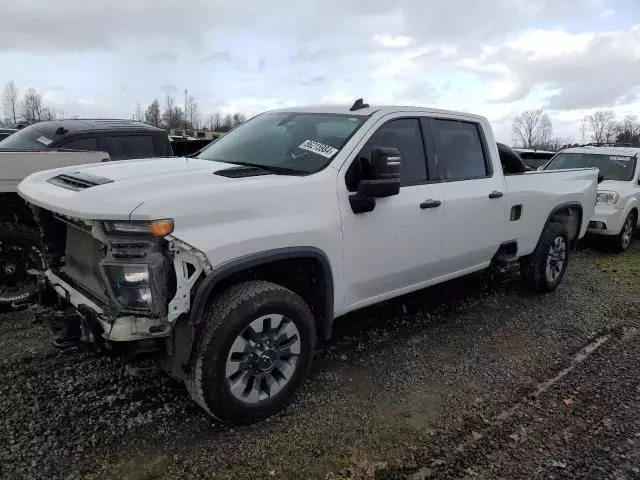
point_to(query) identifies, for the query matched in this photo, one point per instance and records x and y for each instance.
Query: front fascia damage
(173, 266)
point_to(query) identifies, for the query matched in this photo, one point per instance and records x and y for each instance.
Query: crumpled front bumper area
(98, 326)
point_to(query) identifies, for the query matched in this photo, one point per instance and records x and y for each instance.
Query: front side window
(286, 142)
(611, 167)
(403, 134)
(458, 150)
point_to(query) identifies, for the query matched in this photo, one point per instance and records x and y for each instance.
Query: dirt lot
(472, 379)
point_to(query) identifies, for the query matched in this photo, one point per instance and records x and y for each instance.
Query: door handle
(496, 194)
(430, 204)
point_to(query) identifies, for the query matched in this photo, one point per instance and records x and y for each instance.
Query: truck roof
(608, 150)
(372, 109)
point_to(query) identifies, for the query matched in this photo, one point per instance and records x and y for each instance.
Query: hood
(114, 190)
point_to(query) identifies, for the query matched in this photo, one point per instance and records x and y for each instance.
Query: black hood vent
(78, 181)
(241, 172)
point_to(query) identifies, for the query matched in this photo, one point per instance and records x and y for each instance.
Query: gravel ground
(436, 384)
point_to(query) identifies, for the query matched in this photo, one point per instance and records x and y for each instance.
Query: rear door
(474, 194)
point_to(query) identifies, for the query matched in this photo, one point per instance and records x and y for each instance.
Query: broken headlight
(130, 284)
(157, 228)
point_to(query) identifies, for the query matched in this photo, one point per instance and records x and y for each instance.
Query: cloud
(107, 25)
(163, 56)
(392, 41)
(219, 56)
(169, 89)
(583, 70)
(607, 13)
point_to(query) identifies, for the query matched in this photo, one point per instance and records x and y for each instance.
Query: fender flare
(562, 206)
(226, 269)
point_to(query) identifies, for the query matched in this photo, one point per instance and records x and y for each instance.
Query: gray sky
(492, 57)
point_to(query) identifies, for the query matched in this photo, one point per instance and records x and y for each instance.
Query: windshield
(612, 167)
(288, 142)
(29, 138)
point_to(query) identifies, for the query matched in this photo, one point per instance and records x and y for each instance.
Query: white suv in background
(616, 214)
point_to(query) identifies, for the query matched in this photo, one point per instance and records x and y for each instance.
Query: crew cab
(616, 214)
(232, 264)
(48, 145)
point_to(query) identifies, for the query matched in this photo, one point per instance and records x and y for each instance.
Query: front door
(396, 246)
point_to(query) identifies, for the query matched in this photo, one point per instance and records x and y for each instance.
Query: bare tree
(628, 130)
(238, 119)
(192, 112)
(214, 121)
(152, 115)
(601, 126)
(532, 129)
(32, 109)
(139, 114)
(227, 123)
(10, 102)
(168, 115)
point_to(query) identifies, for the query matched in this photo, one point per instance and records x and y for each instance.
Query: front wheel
(622, 241)
(19, 252)
(253, 350)
(543, 270)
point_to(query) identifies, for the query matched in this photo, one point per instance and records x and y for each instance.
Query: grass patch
(624, 267)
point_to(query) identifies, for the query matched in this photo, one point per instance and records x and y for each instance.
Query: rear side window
(458, 150)
(89, 143)
(127, 147)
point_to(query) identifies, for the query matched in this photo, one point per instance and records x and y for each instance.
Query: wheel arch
(223, 275)
(572, 214)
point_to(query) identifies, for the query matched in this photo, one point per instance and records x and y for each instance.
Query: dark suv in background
(121, 139)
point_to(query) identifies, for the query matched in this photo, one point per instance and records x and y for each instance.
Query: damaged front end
(128, 282)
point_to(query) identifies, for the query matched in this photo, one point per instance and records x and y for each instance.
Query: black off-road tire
(533, 267)
(23, 246)
(618, 243)
(225, 318)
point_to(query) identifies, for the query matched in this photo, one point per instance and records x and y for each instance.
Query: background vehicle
(532, 158)
(47, 145)
(5, 132)
(616, 214)
(183, 146)
(233, 263)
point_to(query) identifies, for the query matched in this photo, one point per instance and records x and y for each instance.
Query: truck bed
(539, 193)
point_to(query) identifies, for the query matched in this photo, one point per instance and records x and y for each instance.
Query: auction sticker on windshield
(44, 140)
(619, 159)
(320, 148)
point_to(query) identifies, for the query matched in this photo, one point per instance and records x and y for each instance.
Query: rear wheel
(19, 252)
(622, 241)
(254, 349)
(543, 270)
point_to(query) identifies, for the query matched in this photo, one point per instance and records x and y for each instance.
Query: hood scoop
(242, 172)
(78, 181)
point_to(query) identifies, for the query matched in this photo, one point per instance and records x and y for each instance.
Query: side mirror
(385, 162)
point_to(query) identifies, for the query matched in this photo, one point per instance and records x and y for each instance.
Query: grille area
(82, 256)
(78, 181)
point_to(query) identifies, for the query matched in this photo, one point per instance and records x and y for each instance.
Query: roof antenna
(358, 105)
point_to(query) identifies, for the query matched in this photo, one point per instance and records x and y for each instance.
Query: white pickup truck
(234, 263)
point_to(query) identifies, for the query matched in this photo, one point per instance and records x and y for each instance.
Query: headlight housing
(130, 284)
(607, 198)
(156, 228)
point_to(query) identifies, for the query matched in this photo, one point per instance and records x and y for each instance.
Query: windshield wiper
(268, 168)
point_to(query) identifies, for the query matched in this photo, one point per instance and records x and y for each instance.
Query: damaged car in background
(231, 265)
